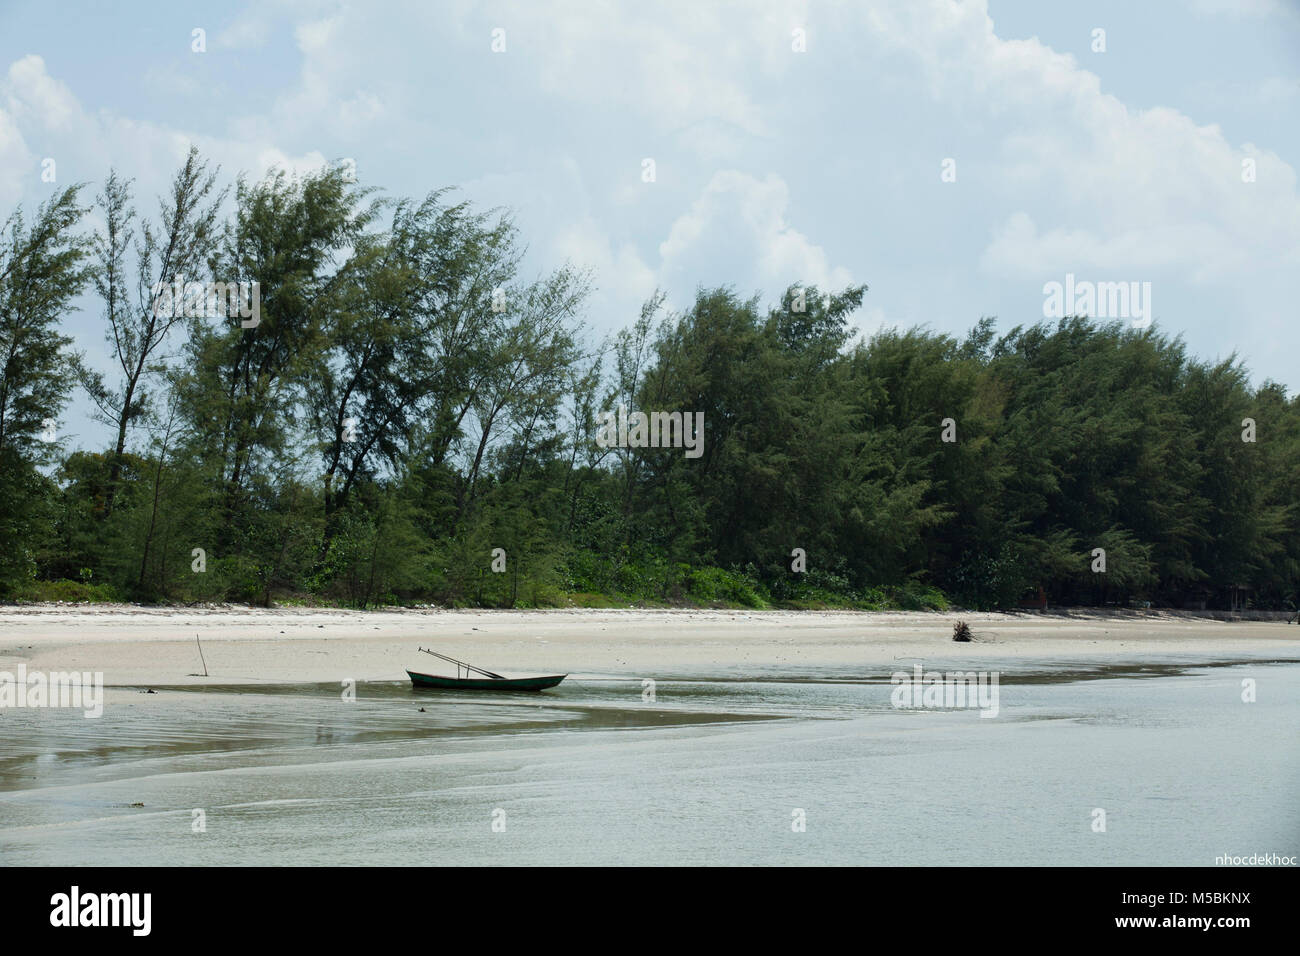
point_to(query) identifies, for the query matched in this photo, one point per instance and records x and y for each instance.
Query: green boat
(487, 680)
(437, 681)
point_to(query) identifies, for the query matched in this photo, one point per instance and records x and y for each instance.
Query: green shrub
(68, 591)
(716, 585)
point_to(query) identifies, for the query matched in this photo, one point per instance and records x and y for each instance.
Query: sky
(955, 157)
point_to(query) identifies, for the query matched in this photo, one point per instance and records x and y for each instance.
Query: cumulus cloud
(738, 226)
(773, 167)
(34, 96)
(15, 159)
(620, 271)
(676, 63)
(1136, 187)
(38, 107)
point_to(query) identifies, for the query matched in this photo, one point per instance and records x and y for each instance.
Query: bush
(914, 596)
(69, 592)
(716, 585)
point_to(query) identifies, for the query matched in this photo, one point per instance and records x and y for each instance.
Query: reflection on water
(709, 771)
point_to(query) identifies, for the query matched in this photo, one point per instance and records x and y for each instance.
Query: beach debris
(961, 631)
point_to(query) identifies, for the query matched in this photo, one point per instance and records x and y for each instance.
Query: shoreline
(98, 608)
(135, 646)
(757, 713)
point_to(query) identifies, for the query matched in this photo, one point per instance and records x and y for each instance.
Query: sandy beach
(753, 717)
(134, 645)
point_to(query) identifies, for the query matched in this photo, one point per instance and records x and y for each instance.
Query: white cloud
(16, 160)
(324, 98)
(1019, 249)
(1128, 187)
(1057, 173)
(296, 166)
(618, 268)
(250, 31)
(684, 68)
(738, 227)
(146, 151)
(39, 109)
(867, 322)
(33, 95)
(676, 63)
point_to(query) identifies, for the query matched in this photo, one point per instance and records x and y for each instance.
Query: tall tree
(43, 267)
(406, 342)
(174, 249)
(295, 239)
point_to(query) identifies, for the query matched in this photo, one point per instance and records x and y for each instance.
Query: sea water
(1161, 763)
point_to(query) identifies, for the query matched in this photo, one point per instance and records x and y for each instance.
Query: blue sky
(772, 166)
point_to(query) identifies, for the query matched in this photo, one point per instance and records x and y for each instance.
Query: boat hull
(438, 682)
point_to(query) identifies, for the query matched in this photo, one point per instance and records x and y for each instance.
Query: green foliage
(408, 406)
(918, 597)
(68, 592)
(715, 585)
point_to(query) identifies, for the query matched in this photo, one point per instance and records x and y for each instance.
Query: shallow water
(711, 771)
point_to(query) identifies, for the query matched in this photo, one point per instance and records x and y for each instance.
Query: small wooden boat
(487, 680)
(437, 681)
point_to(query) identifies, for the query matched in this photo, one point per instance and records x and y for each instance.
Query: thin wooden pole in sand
(205, 663)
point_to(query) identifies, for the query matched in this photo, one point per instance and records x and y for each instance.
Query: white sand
(138, 645)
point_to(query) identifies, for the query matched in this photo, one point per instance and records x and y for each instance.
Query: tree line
(410, 418)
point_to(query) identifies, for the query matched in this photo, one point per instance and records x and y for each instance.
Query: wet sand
(133, 646)
(768, 738)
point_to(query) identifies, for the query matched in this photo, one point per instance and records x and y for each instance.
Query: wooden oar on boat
(468, 667)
